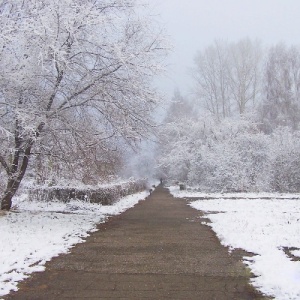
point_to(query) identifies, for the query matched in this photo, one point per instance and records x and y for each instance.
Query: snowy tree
(180, 107)
(171, 151)
(174, 150)
(80, 69)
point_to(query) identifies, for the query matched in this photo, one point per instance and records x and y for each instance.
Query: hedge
(105, 195)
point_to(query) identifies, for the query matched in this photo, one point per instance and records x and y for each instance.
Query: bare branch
(5, 165)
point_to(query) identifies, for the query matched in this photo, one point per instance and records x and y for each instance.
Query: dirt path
(157, 250)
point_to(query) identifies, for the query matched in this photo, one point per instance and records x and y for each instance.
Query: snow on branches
(75, 69)
(230, 156)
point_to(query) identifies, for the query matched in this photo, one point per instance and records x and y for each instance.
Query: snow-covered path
(35, 232)
(268, 228)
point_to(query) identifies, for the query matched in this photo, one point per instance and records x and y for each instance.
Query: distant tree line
(240, 131)
(242, 77)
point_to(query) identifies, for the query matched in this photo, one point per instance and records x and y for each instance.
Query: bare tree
(80, 69)
(212, 80)
(245, 73)
(228, 77)
(281, 106)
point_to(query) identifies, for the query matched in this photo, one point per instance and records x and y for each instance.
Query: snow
(265, 227)
(34, 232)
(189, 193)
(296, 252)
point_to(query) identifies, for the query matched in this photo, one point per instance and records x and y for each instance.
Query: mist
(194, 25)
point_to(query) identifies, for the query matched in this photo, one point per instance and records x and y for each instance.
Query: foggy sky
(195, 24)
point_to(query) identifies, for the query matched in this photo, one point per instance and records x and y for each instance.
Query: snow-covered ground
(190, 193)
(266, 227)
(34, 232)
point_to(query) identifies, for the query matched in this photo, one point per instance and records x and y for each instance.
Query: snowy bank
(270, 228)
(191, 193)
(35, 232)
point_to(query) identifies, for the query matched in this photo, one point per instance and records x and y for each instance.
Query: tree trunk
(11, 189)
(14, 181)
(6, 201)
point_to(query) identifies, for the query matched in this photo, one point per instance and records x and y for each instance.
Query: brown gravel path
(156, 250)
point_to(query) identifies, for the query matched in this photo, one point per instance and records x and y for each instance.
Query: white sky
(195, 24)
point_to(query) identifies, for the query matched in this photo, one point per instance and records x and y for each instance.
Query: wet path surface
(156, 250)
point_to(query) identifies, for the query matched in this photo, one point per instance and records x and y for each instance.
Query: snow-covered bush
(285, 160)
(177, 147)
(230, 156)
(233, 159)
